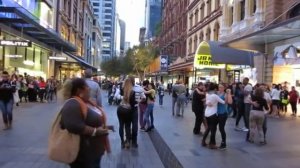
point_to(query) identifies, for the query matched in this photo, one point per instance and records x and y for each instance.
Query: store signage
(15, 43)
(14, 56)
(164, 61)
(202, 61)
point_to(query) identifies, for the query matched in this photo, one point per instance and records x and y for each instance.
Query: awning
(212, 54)
(81, 61)
(272, 34)
(20, 19)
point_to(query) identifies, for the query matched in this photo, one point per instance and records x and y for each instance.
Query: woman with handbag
(125, 112)
(81, 117)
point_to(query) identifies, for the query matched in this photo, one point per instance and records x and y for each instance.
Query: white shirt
(139, 93)
(248, 88)
(275, 94)
(213, 100)
(267, 97)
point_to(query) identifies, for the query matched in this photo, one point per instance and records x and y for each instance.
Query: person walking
(150, 106)
(6, 100)
(294, 96)
(212, 100)
(174, 97)
(143, 105)
(138, 97)
(180, 91)
(125, 112)
(247, 100)
(275, 95)
(42, 89)
(198, 107)
(257, 115)
(239, 97)
(95, 91)
(284, 99)
(223, 113)
(81, 117)
(161, 93)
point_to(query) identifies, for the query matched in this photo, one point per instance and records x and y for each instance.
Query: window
(208, 34)
(208, 7)
(96, 4)
(190, 46)
(242, 4)
(216, 32)
(94, 36)
(191, 20)
(108, 11)
(217, 5)
(201, 37)
(107, 22)
(96, 10)
(202, 12)
(231, 15)
(295, 11)
(196, 16)
(195, 43)
(107, 5)
(253, 7)
(108, 17)
(107, 28)
(107, 34)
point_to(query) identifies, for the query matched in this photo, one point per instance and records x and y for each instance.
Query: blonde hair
(127, 89)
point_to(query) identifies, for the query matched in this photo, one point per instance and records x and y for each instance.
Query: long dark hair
(259, 93)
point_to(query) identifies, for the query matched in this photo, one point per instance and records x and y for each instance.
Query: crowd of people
(15, 89)
(212, 104)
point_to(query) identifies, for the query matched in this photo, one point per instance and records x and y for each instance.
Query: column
(260, 9)
(236, 12)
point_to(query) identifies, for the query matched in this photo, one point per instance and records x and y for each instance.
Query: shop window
(243, 9)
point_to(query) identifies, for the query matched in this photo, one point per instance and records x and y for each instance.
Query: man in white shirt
(247, 100)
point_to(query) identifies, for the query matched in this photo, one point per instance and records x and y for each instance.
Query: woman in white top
(275, 94)
(212, 100)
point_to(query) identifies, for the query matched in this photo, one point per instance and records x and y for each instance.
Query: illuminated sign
(204, 61)
(57, 58)
(14, 56)
(15, 43)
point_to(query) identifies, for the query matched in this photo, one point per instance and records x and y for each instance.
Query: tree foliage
(136, 61)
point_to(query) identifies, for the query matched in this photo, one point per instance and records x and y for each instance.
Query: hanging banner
(164, 63)
(202, 61)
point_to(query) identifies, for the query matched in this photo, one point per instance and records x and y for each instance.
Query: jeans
(180, 104)
(212, 122)
(161, 99)
(142, 111)
(125, 119)
(41, 94)
(86, 164)
(294, 107)
(265, 128)
(241, 113)
(256, 122)
(147, 114)
(7, 108)
(174, 101)
(247, 114)
(199, 116)
(222, 118)
(134, 124)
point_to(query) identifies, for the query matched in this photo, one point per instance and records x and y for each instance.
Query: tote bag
(63, 146)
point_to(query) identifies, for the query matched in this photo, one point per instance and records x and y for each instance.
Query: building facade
(174, 28)
(97, 44)
(105, 11)
(152, 17)
(123, 36)
(88, 31)
(251, 25)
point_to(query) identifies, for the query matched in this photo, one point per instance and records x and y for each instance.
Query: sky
(133, 13)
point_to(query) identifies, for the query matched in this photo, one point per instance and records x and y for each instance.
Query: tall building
(127, 46)
(123, 36)
(153, 17)
(105, 11)
(117, 42)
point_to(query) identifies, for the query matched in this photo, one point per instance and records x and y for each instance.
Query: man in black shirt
(6, 99)
(198, 107)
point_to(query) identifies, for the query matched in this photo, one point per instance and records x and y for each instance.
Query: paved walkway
(25, 146)
(282, 150)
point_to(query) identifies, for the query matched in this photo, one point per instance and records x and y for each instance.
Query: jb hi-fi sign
(15, 43)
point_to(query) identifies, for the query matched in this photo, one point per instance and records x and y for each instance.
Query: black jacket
(7, 90)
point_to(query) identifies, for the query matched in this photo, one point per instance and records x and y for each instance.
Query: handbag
(64, 146)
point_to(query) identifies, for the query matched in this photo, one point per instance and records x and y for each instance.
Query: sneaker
(148, 129)
(143, 129)
(238, 128)
(203, 144)
(127, 145)
(245, 129)
(222, 147)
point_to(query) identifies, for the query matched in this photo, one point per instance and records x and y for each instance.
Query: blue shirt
(222, 107)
